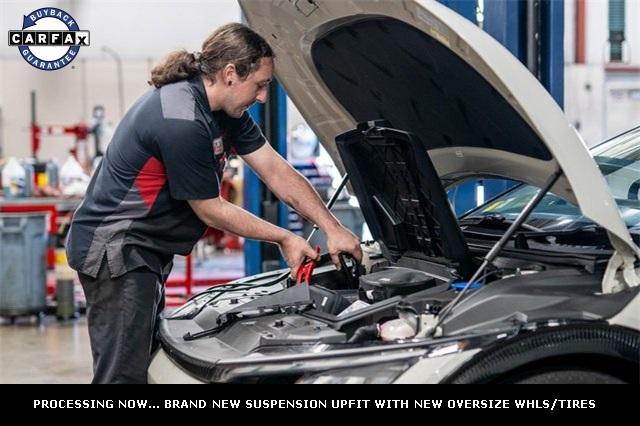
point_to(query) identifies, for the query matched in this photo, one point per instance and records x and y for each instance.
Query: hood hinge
(620, 273)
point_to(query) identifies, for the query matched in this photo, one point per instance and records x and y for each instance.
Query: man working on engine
(157, 189)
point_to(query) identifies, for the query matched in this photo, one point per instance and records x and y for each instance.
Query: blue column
(552, 48)
(280, 143)
(505, 20)
(253, 194)
(466, 8)
(252, 200)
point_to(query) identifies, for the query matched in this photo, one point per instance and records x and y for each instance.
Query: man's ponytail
(177, 66)
(233, 43)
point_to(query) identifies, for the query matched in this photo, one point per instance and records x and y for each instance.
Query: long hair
(233, 43)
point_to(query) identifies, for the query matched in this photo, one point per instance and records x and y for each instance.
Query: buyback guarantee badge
(49, 39)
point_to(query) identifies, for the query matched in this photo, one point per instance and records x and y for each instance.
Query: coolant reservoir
(397, 329)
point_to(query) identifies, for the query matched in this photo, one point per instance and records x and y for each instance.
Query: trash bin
(23, 275)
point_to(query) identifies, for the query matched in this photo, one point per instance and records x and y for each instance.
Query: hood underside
(426, 70)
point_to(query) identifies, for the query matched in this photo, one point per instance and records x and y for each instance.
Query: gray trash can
(23, 274)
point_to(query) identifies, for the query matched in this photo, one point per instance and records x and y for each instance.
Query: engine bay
(421, 277)
(382, 301)
(389, 301)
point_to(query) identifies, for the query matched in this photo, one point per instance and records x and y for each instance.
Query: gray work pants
(123, 316)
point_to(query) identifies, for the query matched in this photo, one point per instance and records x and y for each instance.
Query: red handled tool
(306, 269)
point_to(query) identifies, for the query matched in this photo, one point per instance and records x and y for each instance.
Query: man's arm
(220, 214)
(296, 191)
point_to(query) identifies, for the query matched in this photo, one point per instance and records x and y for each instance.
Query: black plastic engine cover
(393, 281)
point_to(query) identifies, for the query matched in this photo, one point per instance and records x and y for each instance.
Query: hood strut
(491, 255)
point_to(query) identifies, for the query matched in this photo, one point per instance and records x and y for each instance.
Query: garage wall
(602, 99)
(64, 97)
(141, 32)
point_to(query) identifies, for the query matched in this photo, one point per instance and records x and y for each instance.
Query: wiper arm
(591, 230)
(496, 220)
(559, 232)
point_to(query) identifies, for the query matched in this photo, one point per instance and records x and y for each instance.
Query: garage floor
(59, 352)
(53, 352)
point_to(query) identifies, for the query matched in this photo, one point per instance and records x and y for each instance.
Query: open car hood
(426, 70)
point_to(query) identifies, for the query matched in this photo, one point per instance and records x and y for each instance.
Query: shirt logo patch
(218, 146)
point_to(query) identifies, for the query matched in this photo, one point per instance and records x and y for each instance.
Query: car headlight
(382, 373)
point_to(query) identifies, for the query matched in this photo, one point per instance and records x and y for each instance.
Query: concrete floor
(59, 352)
(53, 352)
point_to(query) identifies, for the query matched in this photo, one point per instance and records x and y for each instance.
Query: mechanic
(157, 189)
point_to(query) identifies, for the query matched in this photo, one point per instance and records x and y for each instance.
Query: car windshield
(619, 161)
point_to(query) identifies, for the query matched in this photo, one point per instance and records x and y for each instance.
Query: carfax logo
(49, 39)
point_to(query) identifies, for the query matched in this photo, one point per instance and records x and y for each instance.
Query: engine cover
(393, 281)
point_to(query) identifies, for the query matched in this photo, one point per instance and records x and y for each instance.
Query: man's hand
(341, 240)
(294, 249)
(296, 191)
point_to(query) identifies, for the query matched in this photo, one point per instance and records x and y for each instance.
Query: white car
(538, 285)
